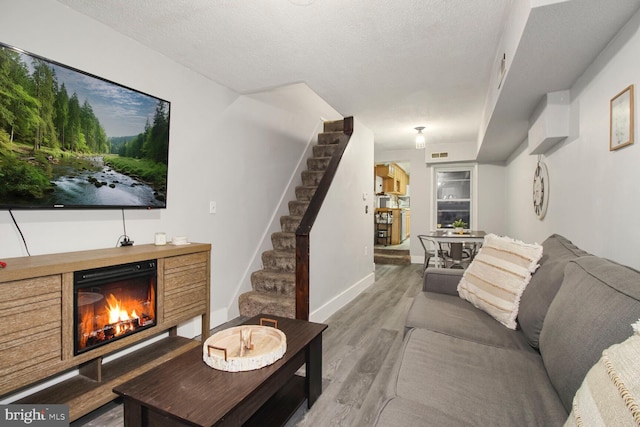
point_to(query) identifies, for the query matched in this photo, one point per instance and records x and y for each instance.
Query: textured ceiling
(394, 65)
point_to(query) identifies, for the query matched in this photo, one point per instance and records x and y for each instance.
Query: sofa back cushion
(544, 284)
(610, 392)
(592, 310)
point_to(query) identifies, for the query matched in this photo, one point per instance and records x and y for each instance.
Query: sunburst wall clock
(540, 190)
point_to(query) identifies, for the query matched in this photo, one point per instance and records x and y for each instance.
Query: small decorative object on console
(179, 240)
(160, 239)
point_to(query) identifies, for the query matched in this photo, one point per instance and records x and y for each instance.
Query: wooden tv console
(36, 322)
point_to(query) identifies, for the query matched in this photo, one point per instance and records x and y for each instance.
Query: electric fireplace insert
(113, 302)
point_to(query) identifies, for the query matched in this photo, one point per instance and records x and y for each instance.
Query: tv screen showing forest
(69, 139)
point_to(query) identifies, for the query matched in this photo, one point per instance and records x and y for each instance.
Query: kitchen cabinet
(391, 186)
(386, 171)
(403, 181)
(394, 178)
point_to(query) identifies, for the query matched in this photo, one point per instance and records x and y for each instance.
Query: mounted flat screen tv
(70, 139)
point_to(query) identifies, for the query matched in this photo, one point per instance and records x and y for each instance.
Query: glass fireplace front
(113, 302)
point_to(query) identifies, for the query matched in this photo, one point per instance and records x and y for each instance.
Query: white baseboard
(417, 259)
(336, 303)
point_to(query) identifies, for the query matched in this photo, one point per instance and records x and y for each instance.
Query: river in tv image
(98, 185)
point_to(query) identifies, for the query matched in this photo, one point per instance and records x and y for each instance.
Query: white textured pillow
(496, 278)
(610, 393)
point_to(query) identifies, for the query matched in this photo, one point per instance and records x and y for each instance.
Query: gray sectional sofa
(459, 366)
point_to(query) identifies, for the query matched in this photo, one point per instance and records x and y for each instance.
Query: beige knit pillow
(610, 393)
(496, 278)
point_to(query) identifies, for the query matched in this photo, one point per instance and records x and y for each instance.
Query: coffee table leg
(132, 413)
(313, 383)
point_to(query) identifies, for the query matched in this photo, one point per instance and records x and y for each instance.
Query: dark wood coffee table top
(188, 389)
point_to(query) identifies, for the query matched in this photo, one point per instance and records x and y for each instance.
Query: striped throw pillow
(496, 278)
(610, 393)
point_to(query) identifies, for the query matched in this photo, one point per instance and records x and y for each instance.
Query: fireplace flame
(116, 316)
(117, 312)
(119, 316)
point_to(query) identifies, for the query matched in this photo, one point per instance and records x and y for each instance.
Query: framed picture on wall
(621, 119)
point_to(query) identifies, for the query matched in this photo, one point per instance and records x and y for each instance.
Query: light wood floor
(359, 349)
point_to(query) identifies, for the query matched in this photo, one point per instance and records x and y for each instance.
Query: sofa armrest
(441, 280)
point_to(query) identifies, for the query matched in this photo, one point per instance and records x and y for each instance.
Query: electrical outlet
(366, 250)
(212, 207)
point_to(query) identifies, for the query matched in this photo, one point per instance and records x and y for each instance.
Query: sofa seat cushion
(399, 412)
(456, 317)
(465, 382)
(544, 284)
(593, 309)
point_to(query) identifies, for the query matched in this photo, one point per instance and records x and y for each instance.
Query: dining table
(457, 240)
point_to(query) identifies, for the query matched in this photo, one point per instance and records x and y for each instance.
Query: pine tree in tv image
(71, 139)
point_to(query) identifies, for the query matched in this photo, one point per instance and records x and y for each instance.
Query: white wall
(594, 194)
(240, 151)
(455, 152)
(492, 198)
(341, 240)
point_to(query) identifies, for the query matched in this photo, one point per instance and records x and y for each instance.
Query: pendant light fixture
(420, 141)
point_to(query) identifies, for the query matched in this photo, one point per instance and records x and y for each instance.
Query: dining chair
(431, 249)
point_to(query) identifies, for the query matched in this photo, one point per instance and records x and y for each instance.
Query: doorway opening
(392, 217)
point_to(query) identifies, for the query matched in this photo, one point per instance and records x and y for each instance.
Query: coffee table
(185, 391)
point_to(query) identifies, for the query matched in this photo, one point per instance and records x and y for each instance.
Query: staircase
(274, 287)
